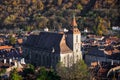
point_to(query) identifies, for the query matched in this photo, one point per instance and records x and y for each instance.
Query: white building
(50, 48)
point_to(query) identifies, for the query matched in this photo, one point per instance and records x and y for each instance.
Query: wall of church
(41, 58)
(74, 42)
(68, 59)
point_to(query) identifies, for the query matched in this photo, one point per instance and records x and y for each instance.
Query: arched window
(39, 59)
(77, 57)
(64, 61)
(76, 38)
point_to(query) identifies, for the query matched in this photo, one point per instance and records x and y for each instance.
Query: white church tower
(76, 36)
(76, 39)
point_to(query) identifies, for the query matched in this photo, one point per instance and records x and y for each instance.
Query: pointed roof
(74, 29)
(74, 23)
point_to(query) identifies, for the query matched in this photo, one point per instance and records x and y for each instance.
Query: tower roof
(74, 23)
(74, 29)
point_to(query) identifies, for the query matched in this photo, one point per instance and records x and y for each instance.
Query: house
(50, 48)
(105, 70)
(10, 58)
(117, 28)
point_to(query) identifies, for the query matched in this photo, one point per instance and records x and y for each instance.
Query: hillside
(37, 14)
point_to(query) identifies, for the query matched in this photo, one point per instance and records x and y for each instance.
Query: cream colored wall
(68, 59)
(76, 43)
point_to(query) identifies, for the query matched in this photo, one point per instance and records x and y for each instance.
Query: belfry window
(77, 38)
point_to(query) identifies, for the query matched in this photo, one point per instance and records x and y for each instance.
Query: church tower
(73, 39)
(76, 36)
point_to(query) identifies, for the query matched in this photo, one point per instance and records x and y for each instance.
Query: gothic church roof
(49, 41)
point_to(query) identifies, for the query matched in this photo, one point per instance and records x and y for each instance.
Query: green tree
(102, 26)
(79, 6)
(78, 71)
(42, 22)
(42, 75)
(14, 75)
(29, 70)
(45, 74)
(9, 19)
(27, 28)
(12, 40)
(2, 71)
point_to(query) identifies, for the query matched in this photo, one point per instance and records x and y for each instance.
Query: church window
(77, 57)
(76, 50)
(77, 38)
(64, 60)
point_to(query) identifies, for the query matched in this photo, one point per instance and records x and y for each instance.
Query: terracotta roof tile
(5, 47)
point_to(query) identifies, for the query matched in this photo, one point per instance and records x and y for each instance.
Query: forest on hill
(96, 15)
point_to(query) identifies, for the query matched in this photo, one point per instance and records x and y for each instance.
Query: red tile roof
(5, 47)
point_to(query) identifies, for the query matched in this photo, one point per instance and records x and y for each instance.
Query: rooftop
(49, 41)
(5, 47)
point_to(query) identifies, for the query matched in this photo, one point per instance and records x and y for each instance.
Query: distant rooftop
(5, 47)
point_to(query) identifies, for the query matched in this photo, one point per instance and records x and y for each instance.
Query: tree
(2, 71)
(34, 1)
(42, 22)
(14, 3)
(12, 40)
(78, 71)
(102, 26)
(79, 6)
(42, 75)
(14, 75)
(40, 5)
(9, 19)
(45, 74)
(29, 70)
(59, 2)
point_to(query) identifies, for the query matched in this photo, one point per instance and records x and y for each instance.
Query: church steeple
(74, 39)
(74, 23)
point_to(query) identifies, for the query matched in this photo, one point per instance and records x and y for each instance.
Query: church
(50, 48)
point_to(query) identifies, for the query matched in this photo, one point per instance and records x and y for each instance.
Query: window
(77, 38)
(77, 57)
(64, 61)
(76, 50)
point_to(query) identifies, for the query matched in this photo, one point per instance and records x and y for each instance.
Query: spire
(74, 24)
